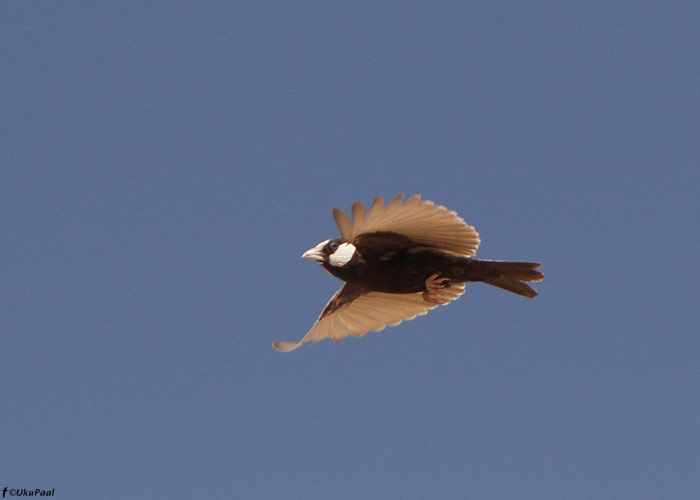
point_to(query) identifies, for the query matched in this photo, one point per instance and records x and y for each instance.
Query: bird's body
(399, 262)
(392, 263)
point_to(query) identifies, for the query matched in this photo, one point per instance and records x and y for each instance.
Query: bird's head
(335, 252)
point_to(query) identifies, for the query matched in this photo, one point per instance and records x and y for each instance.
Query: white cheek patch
(342, 254)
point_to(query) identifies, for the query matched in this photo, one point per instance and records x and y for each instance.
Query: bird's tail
(512, 275)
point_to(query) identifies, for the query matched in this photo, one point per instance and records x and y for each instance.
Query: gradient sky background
(165, 164)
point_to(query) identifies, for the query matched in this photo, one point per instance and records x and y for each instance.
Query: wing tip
(343, 222)
(286, 346)
(377, 204)
(414, 199)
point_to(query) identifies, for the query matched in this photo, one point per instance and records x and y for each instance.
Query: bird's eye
(333, 246)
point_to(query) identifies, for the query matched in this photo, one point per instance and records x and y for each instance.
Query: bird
(399, 261)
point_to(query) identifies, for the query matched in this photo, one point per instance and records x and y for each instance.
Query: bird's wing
(422, 221)
(354, 311)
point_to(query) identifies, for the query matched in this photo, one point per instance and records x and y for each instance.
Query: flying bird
(399, 261)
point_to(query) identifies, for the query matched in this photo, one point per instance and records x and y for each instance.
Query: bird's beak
(313, 254)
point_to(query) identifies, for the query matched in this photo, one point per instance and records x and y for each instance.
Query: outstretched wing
(354, 311)
(422, 221)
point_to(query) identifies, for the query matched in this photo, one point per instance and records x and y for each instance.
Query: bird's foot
(434, 287)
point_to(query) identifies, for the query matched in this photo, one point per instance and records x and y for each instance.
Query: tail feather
(511, 275)
(514, 286)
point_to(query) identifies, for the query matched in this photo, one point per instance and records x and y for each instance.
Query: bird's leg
(434, 287)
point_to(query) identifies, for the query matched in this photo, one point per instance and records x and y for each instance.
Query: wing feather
(343, 222)
(351, 312)
(358, 212)
(422, 221)
(377, 206)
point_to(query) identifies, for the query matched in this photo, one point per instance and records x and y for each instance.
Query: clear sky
(165, 164)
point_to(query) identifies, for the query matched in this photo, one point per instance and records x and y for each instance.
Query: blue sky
(165, 164)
